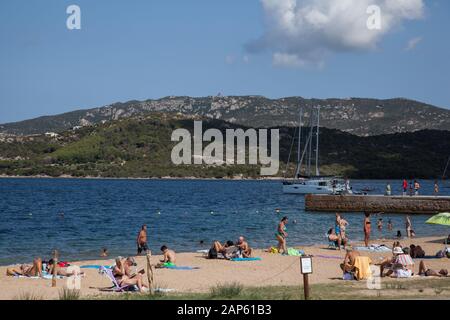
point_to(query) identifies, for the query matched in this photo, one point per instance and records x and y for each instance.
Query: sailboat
(445, 174)
(317, 184)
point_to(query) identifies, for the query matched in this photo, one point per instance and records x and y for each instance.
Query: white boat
(305, 184)
(316, 185)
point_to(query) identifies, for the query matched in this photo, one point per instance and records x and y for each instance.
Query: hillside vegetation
(141, 147)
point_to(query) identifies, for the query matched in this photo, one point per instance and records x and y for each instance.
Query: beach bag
(348, 276)
(212, 253)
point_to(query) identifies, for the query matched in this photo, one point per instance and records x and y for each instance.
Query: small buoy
(159, 212)
(212, 212)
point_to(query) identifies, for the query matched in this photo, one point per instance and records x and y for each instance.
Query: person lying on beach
(399, 266)
(348, 266)
(228, 250)
(333, 237)
(122, 271)
(169, 258)
(26, 270)
(424, 271)
(244, 248)
(60, 271)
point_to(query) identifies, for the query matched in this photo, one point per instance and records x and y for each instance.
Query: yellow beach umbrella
(441, 219)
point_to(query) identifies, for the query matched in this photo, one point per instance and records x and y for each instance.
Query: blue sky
(150, 49)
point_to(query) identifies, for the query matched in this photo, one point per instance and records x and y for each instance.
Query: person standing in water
(408, 226)
(389, 225)
(281, 235)
(142, 240)
(367, 227)
(380, 225)
(436, 188)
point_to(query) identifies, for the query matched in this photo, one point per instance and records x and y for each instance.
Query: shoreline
(272, 270)
(68, 177)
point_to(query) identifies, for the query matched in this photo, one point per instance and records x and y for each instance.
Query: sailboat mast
(445, 170)
(299, 162)
(311, 132)
(317, 142)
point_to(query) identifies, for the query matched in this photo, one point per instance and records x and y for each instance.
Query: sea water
(79, 217)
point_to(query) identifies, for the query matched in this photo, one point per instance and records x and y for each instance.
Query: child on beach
(169, 258)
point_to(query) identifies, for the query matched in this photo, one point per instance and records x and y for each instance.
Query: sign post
(306, 269)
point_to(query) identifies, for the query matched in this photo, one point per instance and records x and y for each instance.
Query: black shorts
(142, 247)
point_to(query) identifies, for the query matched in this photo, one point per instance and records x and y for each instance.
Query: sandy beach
(272, 270)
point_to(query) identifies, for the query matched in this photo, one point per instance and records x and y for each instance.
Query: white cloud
(304, 32)
(413, 43)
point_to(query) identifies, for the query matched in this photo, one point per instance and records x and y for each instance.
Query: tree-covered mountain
(141, 147)
(362, 117)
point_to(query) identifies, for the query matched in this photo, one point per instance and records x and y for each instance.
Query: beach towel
(94, 266)
(246, 259)
(180, 267)
(328, 257)
(44, 276)
(294, 252)
(374, 248)
(362, 266)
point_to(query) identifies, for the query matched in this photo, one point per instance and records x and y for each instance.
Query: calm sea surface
(179, 213)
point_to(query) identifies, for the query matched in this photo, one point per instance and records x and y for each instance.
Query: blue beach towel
(181, 268)
(246, 259)
(94, 266)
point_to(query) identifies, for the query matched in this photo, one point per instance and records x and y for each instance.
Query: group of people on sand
(230, 250)
(337, 235)
(400, 265)
(169, 255)
(39, 267)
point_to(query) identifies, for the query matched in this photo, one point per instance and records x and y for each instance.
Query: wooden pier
(377, 203)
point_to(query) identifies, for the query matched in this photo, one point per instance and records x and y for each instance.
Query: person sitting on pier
(26, 270)
(424, 271)
(399, 266)
(244, 248)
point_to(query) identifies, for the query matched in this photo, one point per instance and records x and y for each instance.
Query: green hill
(141, 147)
